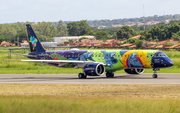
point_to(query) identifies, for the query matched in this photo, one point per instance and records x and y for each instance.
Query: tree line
(44, 30)
(125, 21)
(47, 30)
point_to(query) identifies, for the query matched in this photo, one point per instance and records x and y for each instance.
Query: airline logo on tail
(33, 41)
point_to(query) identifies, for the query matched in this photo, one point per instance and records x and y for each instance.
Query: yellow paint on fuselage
(142, 54)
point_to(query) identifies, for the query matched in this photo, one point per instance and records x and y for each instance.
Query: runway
(73, 79)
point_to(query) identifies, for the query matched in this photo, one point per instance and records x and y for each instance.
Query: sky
(75, 10)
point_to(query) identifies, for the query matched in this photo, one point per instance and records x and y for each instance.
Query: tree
(1, 39)
(89, 32)
(138, 43)
(70, 41)
(129, 30)
(22, 36)
(176, 36)
(120, 34)
(61, 28)
(78, 28)
(125, 32)
(132, 40)
(82, 38)
(102, 35)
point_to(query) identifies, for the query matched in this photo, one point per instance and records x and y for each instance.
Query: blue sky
(75, 10)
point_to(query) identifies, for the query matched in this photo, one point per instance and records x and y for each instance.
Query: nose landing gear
(155, 73)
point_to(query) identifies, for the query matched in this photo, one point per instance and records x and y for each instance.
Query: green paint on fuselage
(58, 56)
(99, 56)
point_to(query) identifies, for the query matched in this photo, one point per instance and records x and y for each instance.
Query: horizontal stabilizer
(26, 55)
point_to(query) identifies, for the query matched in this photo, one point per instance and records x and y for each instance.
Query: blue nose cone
(170, 63)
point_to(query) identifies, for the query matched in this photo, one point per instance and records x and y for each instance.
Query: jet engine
(134, 71)
(94, 69)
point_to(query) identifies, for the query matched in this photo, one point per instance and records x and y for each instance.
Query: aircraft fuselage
(115, 59)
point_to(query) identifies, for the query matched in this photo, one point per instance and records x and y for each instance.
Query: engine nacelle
(94, 69)
(134, 71)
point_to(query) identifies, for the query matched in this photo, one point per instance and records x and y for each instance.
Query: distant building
(49, 44)
(6, 44)
(44, 44)
(74, 38)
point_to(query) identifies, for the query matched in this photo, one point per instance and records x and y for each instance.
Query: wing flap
(79, 64)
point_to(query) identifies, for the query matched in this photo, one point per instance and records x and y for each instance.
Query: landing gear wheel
(109, 75)
(112, 75)
(81, 76)
(85, 76)
(154, 75)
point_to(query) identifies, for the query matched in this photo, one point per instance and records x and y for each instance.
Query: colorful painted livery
(97, 62)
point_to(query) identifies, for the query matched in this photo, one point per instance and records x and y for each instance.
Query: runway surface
(73, 79)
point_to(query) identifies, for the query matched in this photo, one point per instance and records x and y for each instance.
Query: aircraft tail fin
(34, 42)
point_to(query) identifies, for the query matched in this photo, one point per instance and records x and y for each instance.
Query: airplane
(97, 62)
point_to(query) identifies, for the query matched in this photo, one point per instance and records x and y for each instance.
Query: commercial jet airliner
(98, 62)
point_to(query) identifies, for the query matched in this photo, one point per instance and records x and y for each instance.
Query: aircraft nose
(170, 63)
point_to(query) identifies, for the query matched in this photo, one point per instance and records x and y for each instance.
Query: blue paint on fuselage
(122, 52)
(132, 60)
(109, 58)
(86, 56)
(161, 60)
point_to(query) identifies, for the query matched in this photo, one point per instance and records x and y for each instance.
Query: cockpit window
(160, 55)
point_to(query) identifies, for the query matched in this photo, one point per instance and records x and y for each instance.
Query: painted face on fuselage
(161, 60)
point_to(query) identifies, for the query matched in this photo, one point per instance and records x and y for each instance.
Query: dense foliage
(162, 32)
(44, 30)
(47, 30)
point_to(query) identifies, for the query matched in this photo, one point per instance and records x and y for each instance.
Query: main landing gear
(155, 73)
(109, 74)
(82, 76)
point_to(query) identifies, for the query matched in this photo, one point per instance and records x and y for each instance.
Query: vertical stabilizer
(34, 43)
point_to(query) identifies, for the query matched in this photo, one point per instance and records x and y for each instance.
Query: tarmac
(163, 78)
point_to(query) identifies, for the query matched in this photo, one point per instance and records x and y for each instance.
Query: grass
(18, 67)
(92, 90)
(100, 98)
(69, 105)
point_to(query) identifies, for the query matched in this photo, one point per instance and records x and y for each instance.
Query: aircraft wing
(80, 64)
(59, 61)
